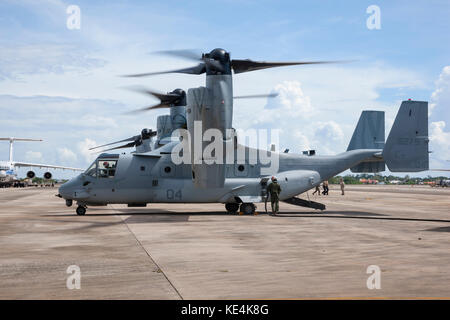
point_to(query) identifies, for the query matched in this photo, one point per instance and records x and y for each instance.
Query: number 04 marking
(173, 194)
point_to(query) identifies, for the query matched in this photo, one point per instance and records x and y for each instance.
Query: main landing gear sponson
(81, 210)
(245, 208)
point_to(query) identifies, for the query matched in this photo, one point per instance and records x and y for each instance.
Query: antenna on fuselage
(11, 141)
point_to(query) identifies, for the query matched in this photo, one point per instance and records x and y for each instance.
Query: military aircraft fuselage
(154, 178)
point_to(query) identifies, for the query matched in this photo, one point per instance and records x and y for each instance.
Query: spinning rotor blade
(124, 140)
(188, 54)
(198, 69)
(157, 106)
(166, 99)
(128, 145)
(218, 59)
(240, 66)
(270, 95)
(193, 55)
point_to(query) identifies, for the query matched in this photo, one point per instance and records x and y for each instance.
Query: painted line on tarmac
(149, 255)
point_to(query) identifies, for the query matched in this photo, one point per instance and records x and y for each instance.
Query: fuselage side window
(106, 168)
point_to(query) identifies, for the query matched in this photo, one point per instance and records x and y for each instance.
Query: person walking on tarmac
(317, 190)
(274, 190)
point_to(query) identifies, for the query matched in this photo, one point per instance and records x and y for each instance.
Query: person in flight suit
(274, 190)
(341, 182)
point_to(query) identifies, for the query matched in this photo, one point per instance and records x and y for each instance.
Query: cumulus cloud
(440, 112)
(440, 98)
(440, 140)
(290, 99)
(327, 135)
(294, 115)
(83, 148)
(66, 155)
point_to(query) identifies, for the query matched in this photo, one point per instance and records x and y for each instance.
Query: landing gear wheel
(232, 207)
(248, 208)
(81, 211)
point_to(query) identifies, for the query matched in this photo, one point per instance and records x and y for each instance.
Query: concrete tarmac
(197, 251)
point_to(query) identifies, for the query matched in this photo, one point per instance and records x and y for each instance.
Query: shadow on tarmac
(161, 215)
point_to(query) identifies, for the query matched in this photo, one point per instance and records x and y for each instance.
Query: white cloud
(298, 122)
(440, 112)
(290, 99)
(329, 136)
(302, 141)
(440, 98)
(33, 155)
(83, 148)
(329, 130)
(440, 140)
(66, 155)
(20, 60)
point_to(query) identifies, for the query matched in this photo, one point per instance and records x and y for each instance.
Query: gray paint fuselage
(141, 178)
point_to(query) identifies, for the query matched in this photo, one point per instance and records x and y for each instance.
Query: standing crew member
(274, 190)
(325, 187)
(341, 182)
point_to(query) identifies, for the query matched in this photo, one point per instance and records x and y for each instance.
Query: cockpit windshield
(92, 170)
(104, 166)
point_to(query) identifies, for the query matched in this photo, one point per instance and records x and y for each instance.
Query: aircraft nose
(65, 190)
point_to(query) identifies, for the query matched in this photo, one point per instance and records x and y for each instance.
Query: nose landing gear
(81, 210)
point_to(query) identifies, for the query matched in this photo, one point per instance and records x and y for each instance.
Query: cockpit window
(92, 170)
(106, 168)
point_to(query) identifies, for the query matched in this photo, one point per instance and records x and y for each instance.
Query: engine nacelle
(163, 126)
(202, 111)
(178, 117)
(47, 175)
(31, 174)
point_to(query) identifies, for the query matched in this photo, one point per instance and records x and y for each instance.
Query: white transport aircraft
(8, 174)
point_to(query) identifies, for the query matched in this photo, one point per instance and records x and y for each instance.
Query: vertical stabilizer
(406, 148)
(11, 142)
(369, 134)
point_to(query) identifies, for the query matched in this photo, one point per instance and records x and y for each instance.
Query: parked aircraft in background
(8, 174)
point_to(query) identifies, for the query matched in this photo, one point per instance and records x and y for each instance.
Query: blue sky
(61, 85)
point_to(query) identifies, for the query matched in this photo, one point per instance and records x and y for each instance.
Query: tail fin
(369, 134)
(406, 148)
(11, 141)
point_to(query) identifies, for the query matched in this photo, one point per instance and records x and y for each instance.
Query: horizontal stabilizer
(19, 139)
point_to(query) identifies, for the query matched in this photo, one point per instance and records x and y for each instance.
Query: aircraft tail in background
(368, 134)
(406, 148)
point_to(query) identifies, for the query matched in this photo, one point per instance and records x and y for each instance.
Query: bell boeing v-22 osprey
(153, 174)
(8, 175)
